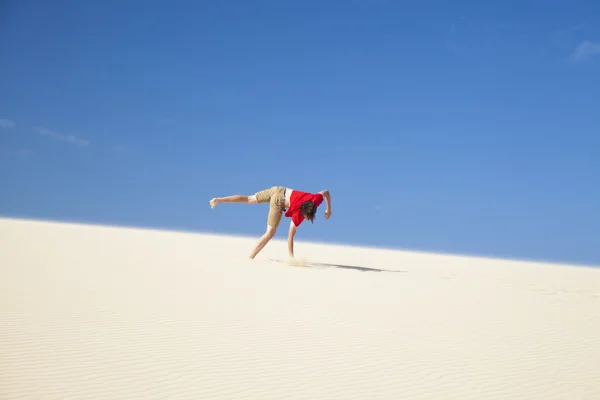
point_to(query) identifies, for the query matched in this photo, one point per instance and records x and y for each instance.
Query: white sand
(90, 312)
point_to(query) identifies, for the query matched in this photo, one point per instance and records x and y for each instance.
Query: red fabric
(296, 201)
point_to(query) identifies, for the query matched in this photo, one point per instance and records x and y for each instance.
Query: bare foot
(214, 202)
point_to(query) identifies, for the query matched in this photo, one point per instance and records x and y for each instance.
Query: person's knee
(271, 230)
(262, 196)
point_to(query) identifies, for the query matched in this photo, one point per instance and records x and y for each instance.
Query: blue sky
(457, 127)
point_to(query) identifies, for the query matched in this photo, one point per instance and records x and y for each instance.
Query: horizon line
(155, 228)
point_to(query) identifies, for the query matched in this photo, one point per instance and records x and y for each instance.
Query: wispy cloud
(167, 121)
(448, 41)
(585, 50)
(568, 32)
(7, 123)
(24, 152)
(63, 137)
(451, 38)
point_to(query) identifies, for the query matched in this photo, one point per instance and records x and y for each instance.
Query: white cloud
(585, 50)
(62, 137)
(6, 123)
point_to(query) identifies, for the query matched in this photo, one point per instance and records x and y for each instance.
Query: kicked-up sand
(91, 312)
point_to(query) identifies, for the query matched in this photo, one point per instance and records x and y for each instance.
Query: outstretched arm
(291, 234)
(327, 197)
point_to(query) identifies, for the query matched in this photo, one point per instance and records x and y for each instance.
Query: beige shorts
(275, 195)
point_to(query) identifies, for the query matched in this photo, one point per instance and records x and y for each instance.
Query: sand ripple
(104, 313)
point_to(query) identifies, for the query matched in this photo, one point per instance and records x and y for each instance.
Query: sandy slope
(105, 313)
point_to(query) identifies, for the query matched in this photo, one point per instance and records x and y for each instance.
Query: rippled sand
(89, 312)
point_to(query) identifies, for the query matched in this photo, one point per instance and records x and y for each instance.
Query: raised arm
(327, 198)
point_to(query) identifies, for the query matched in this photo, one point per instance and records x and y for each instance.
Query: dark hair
(308, 209)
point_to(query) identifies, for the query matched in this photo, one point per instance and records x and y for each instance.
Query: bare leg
(264, 239)
(236, 198)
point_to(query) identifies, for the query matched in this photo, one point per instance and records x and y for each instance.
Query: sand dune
(89, 312)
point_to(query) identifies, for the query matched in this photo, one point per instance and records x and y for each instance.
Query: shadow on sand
(328, 265)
